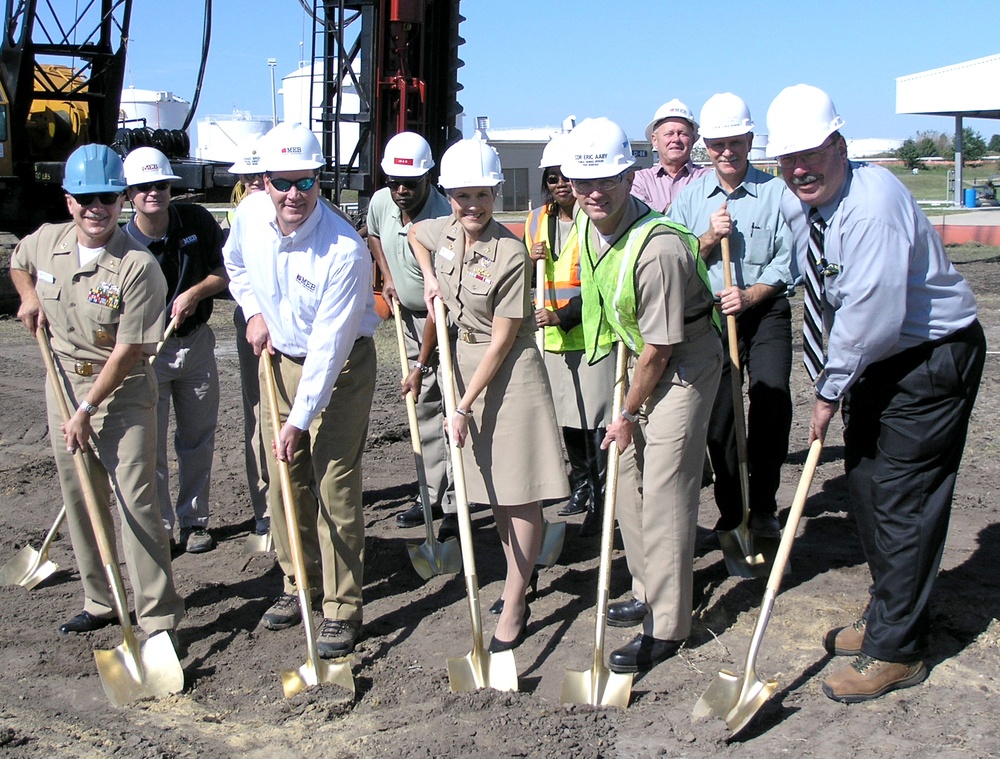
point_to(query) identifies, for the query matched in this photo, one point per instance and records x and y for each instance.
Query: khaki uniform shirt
(117, 298)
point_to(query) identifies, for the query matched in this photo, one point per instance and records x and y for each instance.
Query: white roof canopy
(964, 89)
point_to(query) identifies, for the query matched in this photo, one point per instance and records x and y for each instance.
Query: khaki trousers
(659, 518)
(125, 462)
(328, 463)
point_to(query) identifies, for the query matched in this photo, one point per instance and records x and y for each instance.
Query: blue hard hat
(93, 168)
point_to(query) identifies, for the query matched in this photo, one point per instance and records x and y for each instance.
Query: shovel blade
(720, 698)
(133, 671)
(598, 686)
(553, 537)
(755, 696)
(258, 543)
(27, 568)
(482, 670)
(433, 557)
(335, 672)
(737, 551)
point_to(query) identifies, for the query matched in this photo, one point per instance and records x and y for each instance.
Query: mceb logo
(292, 149)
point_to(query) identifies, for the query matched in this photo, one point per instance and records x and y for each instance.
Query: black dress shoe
(85, 622)
(448, 527)
(497, 607)
(627, 613)
(577, 504)
(414, 516)
(497, 645)
(643, 653)
(765, 525)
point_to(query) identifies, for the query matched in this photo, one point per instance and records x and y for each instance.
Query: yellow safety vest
(562, 276)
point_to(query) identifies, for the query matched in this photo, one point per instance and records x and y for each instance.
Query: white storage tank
(295, 102)
(160, 110)
(219, 137)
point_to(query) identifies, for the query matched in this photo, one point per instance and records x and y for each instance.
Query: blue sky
(534, 63)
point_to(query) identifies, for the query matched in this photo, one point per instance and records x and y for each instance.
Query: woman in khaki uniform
(481, 272)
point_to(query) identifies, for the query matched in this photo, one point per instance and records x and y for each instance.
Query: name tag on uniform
(44, 276)
(189, 240)
(105, 294)
(447, 254)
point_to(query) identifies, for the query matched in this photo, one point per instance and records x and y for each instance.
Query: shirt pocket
(760, 246)
(47, 292)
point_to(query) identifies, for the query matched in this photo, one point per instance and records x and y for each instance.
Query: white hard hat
(291, 147)
(554, 152)
(407, 155)
(470, 163)
(725, 115)
(800, 118)
(597, 148)
(248, 159)
(673, 109)
(147, 165)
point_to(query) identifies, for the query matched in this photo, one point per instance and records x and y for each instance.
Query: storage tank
(295, 103)
(219, 137)
(160, 110)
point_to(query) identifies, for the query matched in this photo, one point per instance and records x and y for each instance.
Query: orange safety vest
(562, 276)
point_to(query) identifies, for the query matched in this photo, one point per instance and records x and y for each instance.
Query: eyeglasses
(555, 179)
(148, 186)
(284, 185)
(587, 186)
(408, 183)
(808, 158)
(105, 198)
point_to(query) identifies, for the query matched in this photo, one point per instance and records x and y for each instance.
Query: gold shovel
(553, 533)
(478, 668)
(315, 670)
(432, 557)
(737, 699)
(133, 670)
(737, 545)
(30, 567)
(599, 686)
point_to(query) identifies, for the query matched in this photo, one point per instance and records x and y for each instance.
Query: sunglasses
(284, 185)
(409, 184)
(105, 198)
(555, 179)
(149, 186)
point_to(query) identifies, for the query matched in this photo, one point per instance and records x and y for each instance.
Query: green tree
(973, 145)
(994, 144)
(910, 155)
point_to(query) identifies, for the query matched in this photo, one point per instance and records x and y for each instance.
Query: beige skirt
(581, 393)
(513, 454)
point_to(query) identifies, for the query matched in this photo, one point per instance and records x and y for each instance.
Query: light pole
(272, 62)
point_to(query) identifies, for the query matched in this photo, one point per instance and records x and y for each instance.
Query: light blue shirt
(313, 288)
(761, 243)
(385, 221)
(893, 288)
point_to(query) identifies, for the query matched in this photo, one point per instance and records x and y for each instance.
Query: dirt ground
(52, 703)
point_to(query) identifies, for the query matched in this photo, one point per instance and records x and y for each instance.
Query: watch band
(632, 418)
(91, 410)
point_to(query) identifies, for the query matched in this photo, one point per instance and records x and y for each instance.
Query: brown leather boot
(845, 641)
(866, 678)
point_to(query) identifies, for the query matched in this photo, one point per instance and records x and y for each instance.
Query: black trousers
(905, 423)
(765, 343)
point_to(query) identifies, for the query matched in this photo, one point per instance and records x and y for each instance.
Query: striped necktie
(813, 354)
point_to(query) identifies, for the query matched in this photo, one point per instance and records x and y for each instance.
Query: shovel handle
(737, 384)
(166, 336)
(540, 300)
(411, 418)
(608, 521)
(794, 515)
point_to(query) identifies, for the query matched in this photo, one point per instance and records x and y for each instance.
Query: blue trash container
(970, 197)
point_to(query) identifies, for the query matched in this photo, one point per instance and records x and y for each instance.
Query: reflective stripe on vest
(562, 277)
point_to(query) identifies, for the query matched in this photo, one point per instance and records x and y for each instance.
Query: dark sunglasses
(147, 186)
(284, 185)
(409, 184)
(106, 198)
(555, 179)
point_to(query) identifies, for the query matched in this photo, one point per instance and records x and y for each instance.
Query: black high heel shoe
(497, 607)
(497, 645)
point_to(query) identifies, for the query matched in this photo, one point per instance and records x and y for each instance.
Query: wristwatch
(91, 410)
(423, 368)
(632, 418)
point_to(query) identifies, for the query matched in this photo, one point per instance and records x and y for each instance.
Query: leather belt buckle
(83, 368)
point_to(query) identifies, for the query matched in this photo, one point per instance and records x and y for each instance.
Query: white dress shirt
(313, 288)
